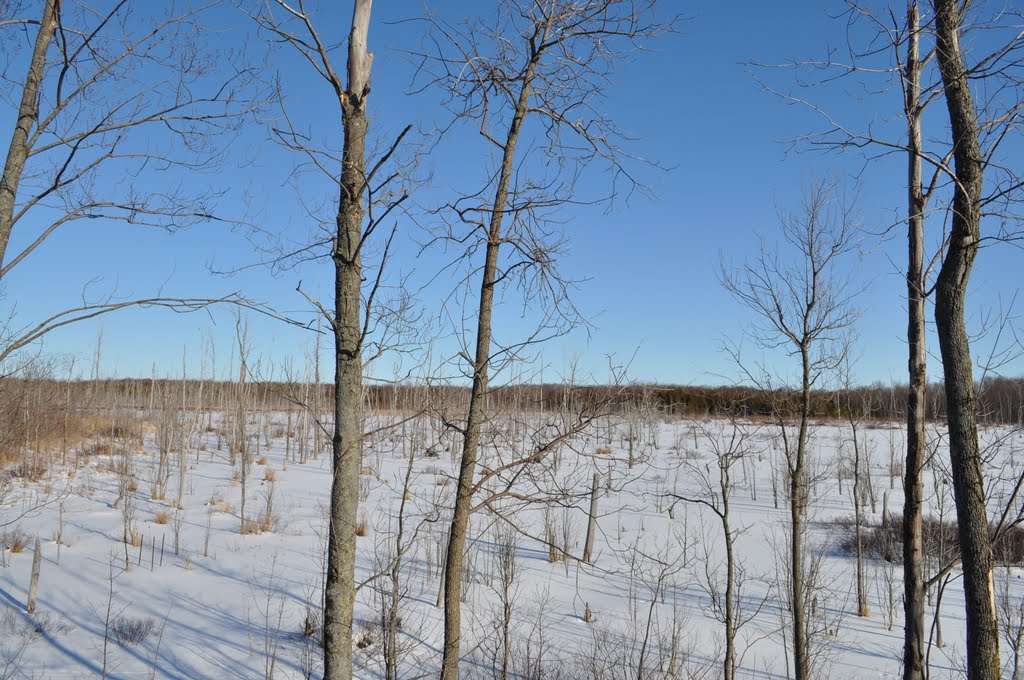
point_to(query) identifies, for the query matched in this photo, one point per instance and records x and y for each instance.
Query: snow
(233, 605)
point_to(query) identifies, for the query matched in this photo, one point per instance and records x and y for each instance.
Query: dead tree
(530, 77)
(367, 195)
(805, 305)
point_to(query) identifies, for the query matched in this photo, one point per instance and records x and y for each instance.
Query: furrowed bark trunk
(954, 344)
(347, 440)
(481, 366)
(914, 633)
(28, 116)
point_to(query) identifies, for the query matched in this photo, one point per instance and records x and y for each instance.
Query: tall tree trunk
(961, 401)
(858, 522)
(347, 440)
(914, 633)
(797, 490)
(481, 367)
(28, 116)
(729, 662)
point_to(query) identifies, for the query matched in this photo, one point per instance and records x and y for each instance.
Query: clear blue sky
(651, 285)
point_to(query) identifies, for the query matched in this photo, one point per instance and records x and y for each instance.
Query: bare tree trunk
(588, 547)
(961, 401)
(858, 522)
(801, 655)
(28, 116)
(347, 440)
(729, 663)
(914, 634)
(33, 586)
(481, 365)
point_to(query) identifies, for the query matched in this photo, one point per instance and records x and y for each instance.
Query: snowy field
(190, 595)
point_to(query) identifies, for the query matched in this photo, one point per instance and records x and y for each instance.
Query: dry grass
(270, 475)
(603, 450)
(361, 526)
(261, 525)
(162, 517)
(16, 541)
(262, 460)
(136, 538)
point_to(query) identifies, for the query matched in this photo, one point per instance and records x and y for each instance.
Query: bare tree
(367, 194)
(530, 76)
(806, 307)
(729, 445)
(954, 344)
(79, 119)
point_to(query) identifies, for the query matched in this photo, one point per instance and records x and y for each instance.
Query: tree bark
(588, 546)
(914, 634)
(954, 344)
(801, 655)
(481, 366)
(28, 116)
(347, 440)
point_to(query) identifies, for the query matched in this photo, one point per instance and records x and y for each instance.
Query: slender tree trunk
(914, 634)
(801, 655)
(347, 440)
(954, 344)
(28, 116)
(729, 663)
(862, 595)
(481, 366)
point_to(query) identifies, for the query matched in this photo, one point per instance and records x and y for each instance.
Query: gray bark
(347, 439)
(797, 490)
(28, 117)
(481, 366)
(33, 584)
(595, 493)
(914, 633)
(954, 345)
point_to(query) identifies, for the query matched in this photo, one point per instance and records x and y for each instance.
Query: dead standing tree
(368, 193)
(531, 77)
(805, 307)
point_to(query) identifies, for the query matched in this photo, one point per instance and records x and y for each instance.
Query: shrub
(162, 517)
(940, 540)
(129, 631)
(14, 540)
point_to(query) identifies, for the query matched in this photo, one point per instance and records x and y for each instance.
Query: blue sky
(649, 267)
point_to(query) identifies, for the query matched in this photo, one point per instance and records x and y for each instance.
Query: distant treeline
(1001, 400)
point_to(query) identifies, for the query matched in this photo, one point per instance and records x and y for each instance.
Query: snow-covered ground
(229, 604)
